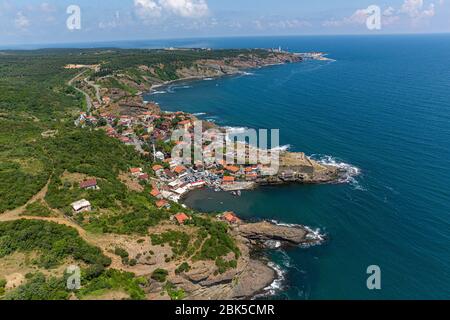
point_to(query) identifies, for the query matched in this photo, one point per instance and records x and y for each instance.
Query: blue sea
(381, 107)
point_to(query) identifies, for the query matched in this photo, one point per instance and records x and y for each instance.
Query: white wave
(282, 148)
(236, 130)
(273, 244)
(348, 171)
(208, 79)
(315, 235)
(199, 114)
(286, 259)
(290, 225)
(277, 284)
(158, 92)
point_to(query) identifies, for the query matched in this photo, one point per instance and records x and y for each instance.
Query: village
(150, 132)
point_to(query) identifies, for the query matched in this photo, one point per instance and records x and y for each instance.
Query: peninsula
(103, 179)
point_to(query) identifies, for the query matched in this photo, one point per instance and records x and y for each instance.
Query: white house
(159, 156)
(81, 206)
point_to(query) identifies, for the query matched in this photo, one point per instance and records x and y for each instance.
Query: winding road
(88, 98)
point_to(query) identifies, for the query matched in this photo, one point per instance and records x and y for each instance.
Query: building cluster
(150, 134)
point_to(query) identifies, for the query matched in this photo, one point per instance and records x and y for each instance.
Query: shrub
(37, 209)
(55, 242)
(160, 275)
(184, 267)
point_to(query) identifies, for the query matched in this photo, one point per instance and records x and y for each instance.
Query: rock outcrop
(259, 233)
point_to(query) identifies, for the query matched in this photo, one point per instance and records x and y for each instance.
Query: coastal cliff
(99, 183)
(119, 86)
(252, 275)
(236, 275)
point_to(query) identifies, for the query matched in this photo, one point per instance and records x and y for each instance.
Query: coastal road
(96, 87)
(88, 98)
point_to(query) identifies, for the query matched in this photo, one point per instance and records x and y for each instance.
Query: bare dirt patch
(74, 177)
(131, 184)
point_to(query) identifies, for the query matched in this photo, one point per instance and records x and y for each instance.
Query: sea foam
(349, 172)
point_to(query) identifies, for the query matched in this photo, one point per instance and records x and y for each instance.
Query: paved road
(88, 98)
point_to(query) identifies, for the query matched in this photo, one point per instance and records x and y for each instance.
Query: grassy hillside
(40, 146)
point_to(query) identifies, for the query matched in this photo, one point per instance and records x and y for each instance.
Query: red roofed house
(90, 184)
(231, 218)
(136, 171)
(157, 167)
(143, 176)
(186, 124)
(228, 180)
(155, 193)
(162, 204)
(181, 218)
(232, 169)
(179, 169)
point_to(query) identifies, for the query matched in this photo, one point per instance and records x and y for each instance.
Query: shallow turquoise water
(382, 106)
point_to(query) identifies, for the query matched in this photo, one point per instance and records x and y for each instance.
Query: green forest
(40, 146)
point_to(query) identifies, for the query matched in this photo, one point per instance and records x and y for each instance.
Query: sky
(62, 21)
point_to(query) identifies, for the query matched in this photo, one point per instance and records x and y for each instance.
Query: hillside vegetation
(42, 149)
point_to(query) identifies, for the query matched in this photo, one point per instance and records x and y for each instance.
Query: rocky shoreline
(253, 276)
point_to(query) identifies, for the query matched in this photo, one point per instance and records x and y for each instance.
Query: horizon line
(67, 45)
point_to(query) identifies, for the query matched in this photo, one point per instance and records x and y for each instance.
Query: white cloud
(47, 7)
(289, 24)
(186, 8)
(359, 17)
(147, 9)
(389, 12)
(430, 12)
(21, 21)
(414, 9)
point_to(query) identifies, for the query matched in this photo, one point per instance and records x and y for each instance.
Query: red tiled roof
(143, 176)
(135, 170)
(155, 192)
(88, 183)
(181, 218)
(233, 169)
(230, 217)
(157, 167)
(228, 179)
(161, 203)
(179, 169)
